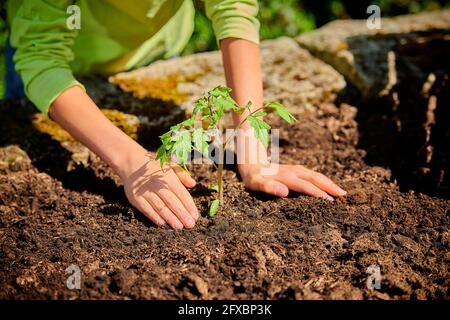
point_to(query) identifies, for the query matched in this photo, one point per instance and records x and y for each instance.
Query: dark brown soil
(258, 247)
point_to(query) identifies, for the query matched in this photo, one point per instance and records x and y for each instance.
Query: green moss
(126, 122)
(164, 89)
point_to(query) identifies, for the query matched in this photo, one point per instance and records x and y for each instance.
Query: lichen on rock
(157, 88)
(80, 154)
(291, 75)
(13, 158)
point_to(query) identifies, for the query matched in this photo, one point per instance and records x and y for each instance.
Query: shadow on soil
(408, 130)
(48, 156)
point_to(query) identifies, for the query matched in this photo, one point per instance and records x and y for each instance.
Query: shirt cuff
(234, 19)
(48, 85)
(246, 31)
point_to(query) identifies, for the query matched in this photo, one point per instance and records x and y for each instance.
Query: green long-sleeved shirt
(114, 35)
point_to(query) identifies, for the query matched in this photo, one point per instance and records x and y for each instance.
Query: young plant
(184, 137)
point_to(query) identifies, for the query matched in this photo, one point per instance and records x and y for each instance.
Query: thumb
(184, 176)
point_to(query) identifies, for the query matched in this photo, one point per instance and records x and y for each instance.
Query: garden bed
(257, 247)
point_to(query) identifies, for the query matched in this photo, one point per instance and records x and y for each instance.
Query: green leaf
(258, 123)
(187, 123)
(169, 146)
(214, 207)
(213, 120)
(281, 111)
(220, 91)
(200, 140)
(206, 112)
(162, 155)
(261, 129)
(225, 103)
(164, 151)
(197, 138)
(215, 187)
(259, 114)
(182, 146)
(165, 138)
(219, 106)
(199, 106)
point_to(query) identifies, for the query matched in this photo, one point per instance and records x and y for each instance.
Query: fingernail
(329, 198)
(342, 192)
(178, 226)
(190, 223)
(279, 190)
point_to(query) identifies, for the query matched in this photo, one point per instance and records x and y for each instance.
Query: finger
(143, 206)
(168, 215)
(184, 176)
(158, 205)
(296, 184)
(323, 183)
(274, 187)
(186, 199)
(175, 205)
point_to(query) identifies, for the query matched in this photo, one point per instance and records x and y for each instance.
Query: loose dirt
(258, 247)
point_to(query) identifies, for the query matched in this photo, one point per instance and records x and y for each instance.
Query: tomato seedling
(185, 137)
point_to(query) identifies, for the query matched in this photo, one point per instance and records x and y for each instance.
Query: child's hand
(289, 177)
(160, 194)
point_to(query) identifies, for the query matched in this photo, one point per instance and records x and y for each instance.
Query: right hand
(160, 194)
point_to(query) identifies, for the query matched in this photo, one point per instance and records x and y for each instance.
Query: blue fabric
(13, 82)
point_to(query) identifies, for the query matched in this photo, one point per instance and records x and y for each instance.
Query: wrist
(129, 159)
(249, 150)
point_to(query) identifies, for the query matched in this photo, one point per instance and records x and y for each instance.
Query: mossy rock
(79, 153)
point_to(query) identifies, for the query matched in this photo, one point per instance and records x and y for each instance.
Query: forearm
(77, 113)
(242, 67)
(241, 62)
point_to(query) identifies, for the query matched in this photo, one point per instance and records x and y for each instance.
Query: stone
(362, 54)
(123, 280)
(291, 75)
(192, 281)
(80, 154)
(13, 158)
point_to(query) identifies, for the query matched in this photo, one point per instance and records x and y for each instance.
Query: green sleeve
(43, 50)
(234, 19)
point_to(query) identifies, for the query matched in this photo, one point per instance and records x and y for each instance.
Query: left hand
(289, 177)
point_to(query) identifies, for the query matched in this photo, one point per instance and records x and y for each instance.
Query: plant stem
(219, 182)
(220, 168)
(221, 156)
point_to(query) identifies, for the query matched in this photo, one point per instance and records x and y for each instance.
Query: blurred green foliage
(278, 18)
(292, 17)
(283, 18)
(2, 56)
(3, 37)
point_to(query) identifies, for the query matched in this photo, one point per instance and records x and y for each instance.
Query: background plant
(3, 37)
(185, 137)
(292, 17)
